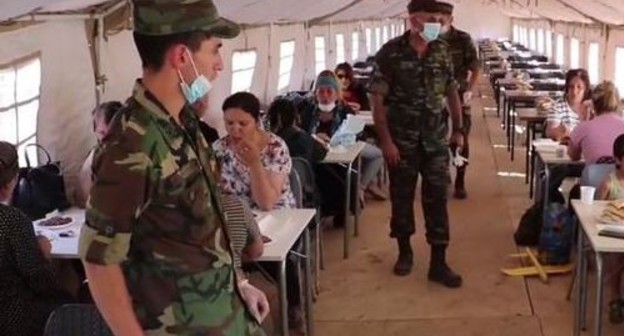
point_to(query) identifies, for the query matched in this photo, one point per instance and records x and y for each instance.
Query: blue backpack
(555, 242)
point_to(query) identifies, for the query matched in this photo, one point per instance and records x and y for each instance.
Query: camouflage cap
(445, 8)
(427, 6)
(167, 17)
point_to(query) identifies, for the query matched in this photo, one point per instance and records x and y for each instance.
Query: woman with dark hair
(283, 118)
(30, 291)
(568, 112)
(102, 117)
(255, 164)
(353, 93)
(563, 118)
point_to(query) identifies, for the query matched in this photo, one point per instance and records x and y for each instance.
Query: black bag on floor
(40, 190)
(528, 231)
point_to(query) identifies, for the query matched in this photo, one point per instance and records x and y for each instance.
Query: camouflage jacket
(463, 54)
(414, 91)
(311, 123)
(154, 209)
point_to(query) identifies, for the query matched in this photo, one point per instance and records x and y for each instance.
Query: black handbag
(40, 190)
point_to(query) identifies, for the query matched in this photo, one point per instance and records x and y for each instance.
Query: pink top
(595, 137)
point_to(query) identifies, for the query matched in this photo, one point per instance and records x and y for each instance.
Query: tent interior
(63, 56)
(60, 58)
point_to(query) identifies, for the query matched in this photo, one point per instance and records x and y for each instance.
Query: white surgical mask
(198, 88)
(327, 107)
(431, 31)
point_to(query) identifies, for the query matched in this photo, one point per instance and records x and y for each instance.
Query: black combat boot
(439, 271)
(405, 262)
(460, 189)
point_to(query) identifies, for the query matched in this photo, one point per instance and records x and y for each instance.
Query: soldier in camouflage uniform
(413, 77)
(466, 68)
(155, 248)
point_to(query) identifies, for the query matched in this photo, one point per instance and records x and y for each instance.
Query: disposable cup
(587, 194)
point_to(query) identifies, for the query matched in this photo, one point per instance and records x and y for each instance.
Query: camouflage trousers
(434, 169)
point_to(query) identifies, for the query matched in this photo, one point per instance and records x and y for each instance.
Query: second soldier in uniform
(412, 80)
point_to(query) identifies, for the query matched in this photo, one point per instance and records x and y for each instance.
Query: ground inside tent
(360, 296)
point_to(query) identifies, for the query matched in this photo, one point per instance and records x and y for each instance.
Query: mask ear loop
(192, 63)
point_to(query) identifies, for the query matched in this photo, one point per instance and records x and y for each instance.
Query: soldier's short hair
(427, 6)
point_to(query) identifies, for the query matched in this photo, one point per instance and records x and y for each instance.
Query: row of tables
(541, 155)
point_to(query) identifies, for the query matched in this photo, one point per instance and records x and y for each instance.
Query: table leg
(532, 173)
(545, 192)
(507, 122)
(283, 298)
(580, 285)
(512, 115)
(526, 152)
(356, 221)
(599, 292)
(347, 210)
(583, 280)
(308, 285)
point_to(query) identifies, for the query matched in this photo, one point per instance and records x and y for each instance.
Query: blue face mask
(198, 88)
(431, 31)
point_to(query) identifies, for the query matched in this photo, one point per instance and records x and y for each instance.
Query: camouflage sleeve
(470, 54)
(119, 193)
(380, 81)
(451, 82)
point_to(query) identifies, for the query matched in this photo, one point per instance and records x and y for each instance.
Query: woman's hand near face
(355, 106)
(248, 151)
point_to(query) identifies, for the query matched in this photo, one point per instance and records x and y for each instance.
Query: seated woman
(572, 109)
(612, 188)
(353, 93)
(323, 118)
(283, 117)
(565, 115)
(102, 116)
(594, 139)
(255, 164)
(30, 291)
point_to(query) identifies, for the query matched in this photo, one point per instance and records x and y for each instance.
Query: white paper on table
(353, 124)
(610, 227)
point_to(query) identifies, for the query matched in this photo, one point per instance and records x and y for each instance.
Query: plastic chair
(76, 320)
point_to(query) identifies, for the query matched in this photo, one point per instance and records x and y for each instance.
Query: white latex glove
(467, 97)
(458, 160)
(255, 300)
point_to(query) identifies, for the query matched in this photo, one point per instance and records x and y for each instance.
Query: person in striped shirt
(568, 112)
(565, 115)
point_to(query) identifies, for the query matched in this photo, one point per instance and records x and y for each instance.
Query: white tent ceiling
(253, 12)
(582, 11)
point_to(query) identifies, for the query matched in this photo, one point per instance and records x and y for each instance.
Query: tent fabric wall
(67, 93)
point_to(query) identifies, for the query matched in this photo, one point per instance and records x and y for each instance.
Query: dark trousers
(434, 169)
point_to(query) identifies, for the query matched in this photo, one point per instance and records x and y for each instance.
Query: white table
(366, 116)
(64, 247)
(588, 216)
(544, 155)
(284, 227)
(347, 157)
